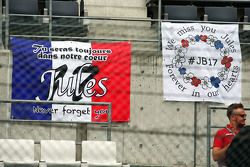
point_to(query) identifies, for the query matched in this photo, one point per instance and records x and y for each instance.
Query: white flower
(224, 52)
(179, 50)
(205, 83)
(188, 77)
(223, 75)
(178, 61)
(211, 39)
(191, 39)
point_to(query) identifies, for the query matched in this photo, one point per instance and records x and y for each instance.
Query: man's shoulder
(222, 131)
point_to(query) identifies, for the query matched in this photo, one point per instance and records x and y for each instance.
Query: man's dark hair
(232, 107)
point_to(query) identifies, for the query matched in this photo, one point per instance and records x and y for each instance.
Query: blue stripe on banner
(26, 80)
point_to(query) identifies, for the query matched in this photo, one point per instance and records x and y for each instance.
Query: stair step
(144, 51)
(138, 24)
(141, 46)
(123, 32)
(104, 11)
(124, 3)
(145, 45)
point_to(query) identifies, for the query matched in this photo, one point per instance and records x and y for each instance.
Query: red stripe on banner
(114, 75)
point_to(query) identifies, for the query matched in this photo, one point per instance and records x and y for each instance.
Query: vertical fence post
(159, 27)
(7, 24)
(109, 122)
(195, 130)
(1, 27)
(6, 47)
(50, 19)
(208, 135)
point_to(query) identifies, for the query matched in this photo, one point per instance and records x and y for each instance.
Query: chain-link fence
(155, 133)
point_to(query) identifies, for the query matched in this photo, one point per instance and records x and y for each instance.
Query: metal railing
(210, 126)
(109, 123)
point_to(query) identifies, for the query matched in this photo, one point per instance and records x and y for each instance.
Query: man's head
(236, 114)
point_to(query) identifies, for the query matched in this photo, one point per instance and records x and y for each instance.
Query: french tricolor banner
(71, 71)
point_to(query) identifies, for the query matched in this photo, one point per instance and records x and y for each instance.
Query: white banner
(201, 62)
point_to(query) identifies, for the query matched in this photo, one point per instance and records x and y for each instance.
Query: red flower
(203, 38)
(227, 61)
(195, 81)
(184, 43)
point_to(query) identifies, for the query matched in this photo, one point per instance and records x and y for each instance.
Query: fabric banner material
(71, 71)
(201, 62)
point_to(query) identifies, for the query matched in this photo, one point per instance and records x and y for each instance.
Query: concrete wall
(160, 132)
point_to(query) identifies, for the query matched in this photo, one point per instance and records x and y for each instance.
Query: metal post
(109, 122)
(7, 24)
(50, 19)
(208, 135)
(6, 47)
(9, 82)
(159, 27)
(1, 27)
(81, 134)
(195, 130)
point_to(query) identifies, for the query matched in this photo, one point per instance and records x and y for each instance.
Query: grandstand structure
(158, 133)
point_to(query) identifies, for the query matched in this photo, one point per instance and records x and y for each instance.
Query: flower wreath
(205, 82)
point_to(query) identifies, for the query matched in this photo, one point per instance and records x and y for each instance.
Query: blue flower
(218, 44)
(182, 70)
(215, 81)
(197, 38)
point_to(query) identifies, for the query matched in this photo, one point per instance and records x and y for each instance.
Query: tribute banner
(201, 62)
(71, 71)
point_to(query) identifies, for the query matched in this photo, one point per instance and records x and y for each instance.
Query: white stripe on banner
(70, 58)
(201, 62)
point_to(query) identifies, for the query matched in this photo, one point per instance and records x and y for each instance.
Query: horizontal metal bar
(50, 121)
(216, 107)
(200, 21)
(135, 19)
(217, 126)
(87, 38)
(28, 15)
(243, 43)
(120, 19)
(39, 142)
(203, 1)
(55, 102)
(223, 108)
(91, 17)
(84, 38)
(26, 24)
(113, 124)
